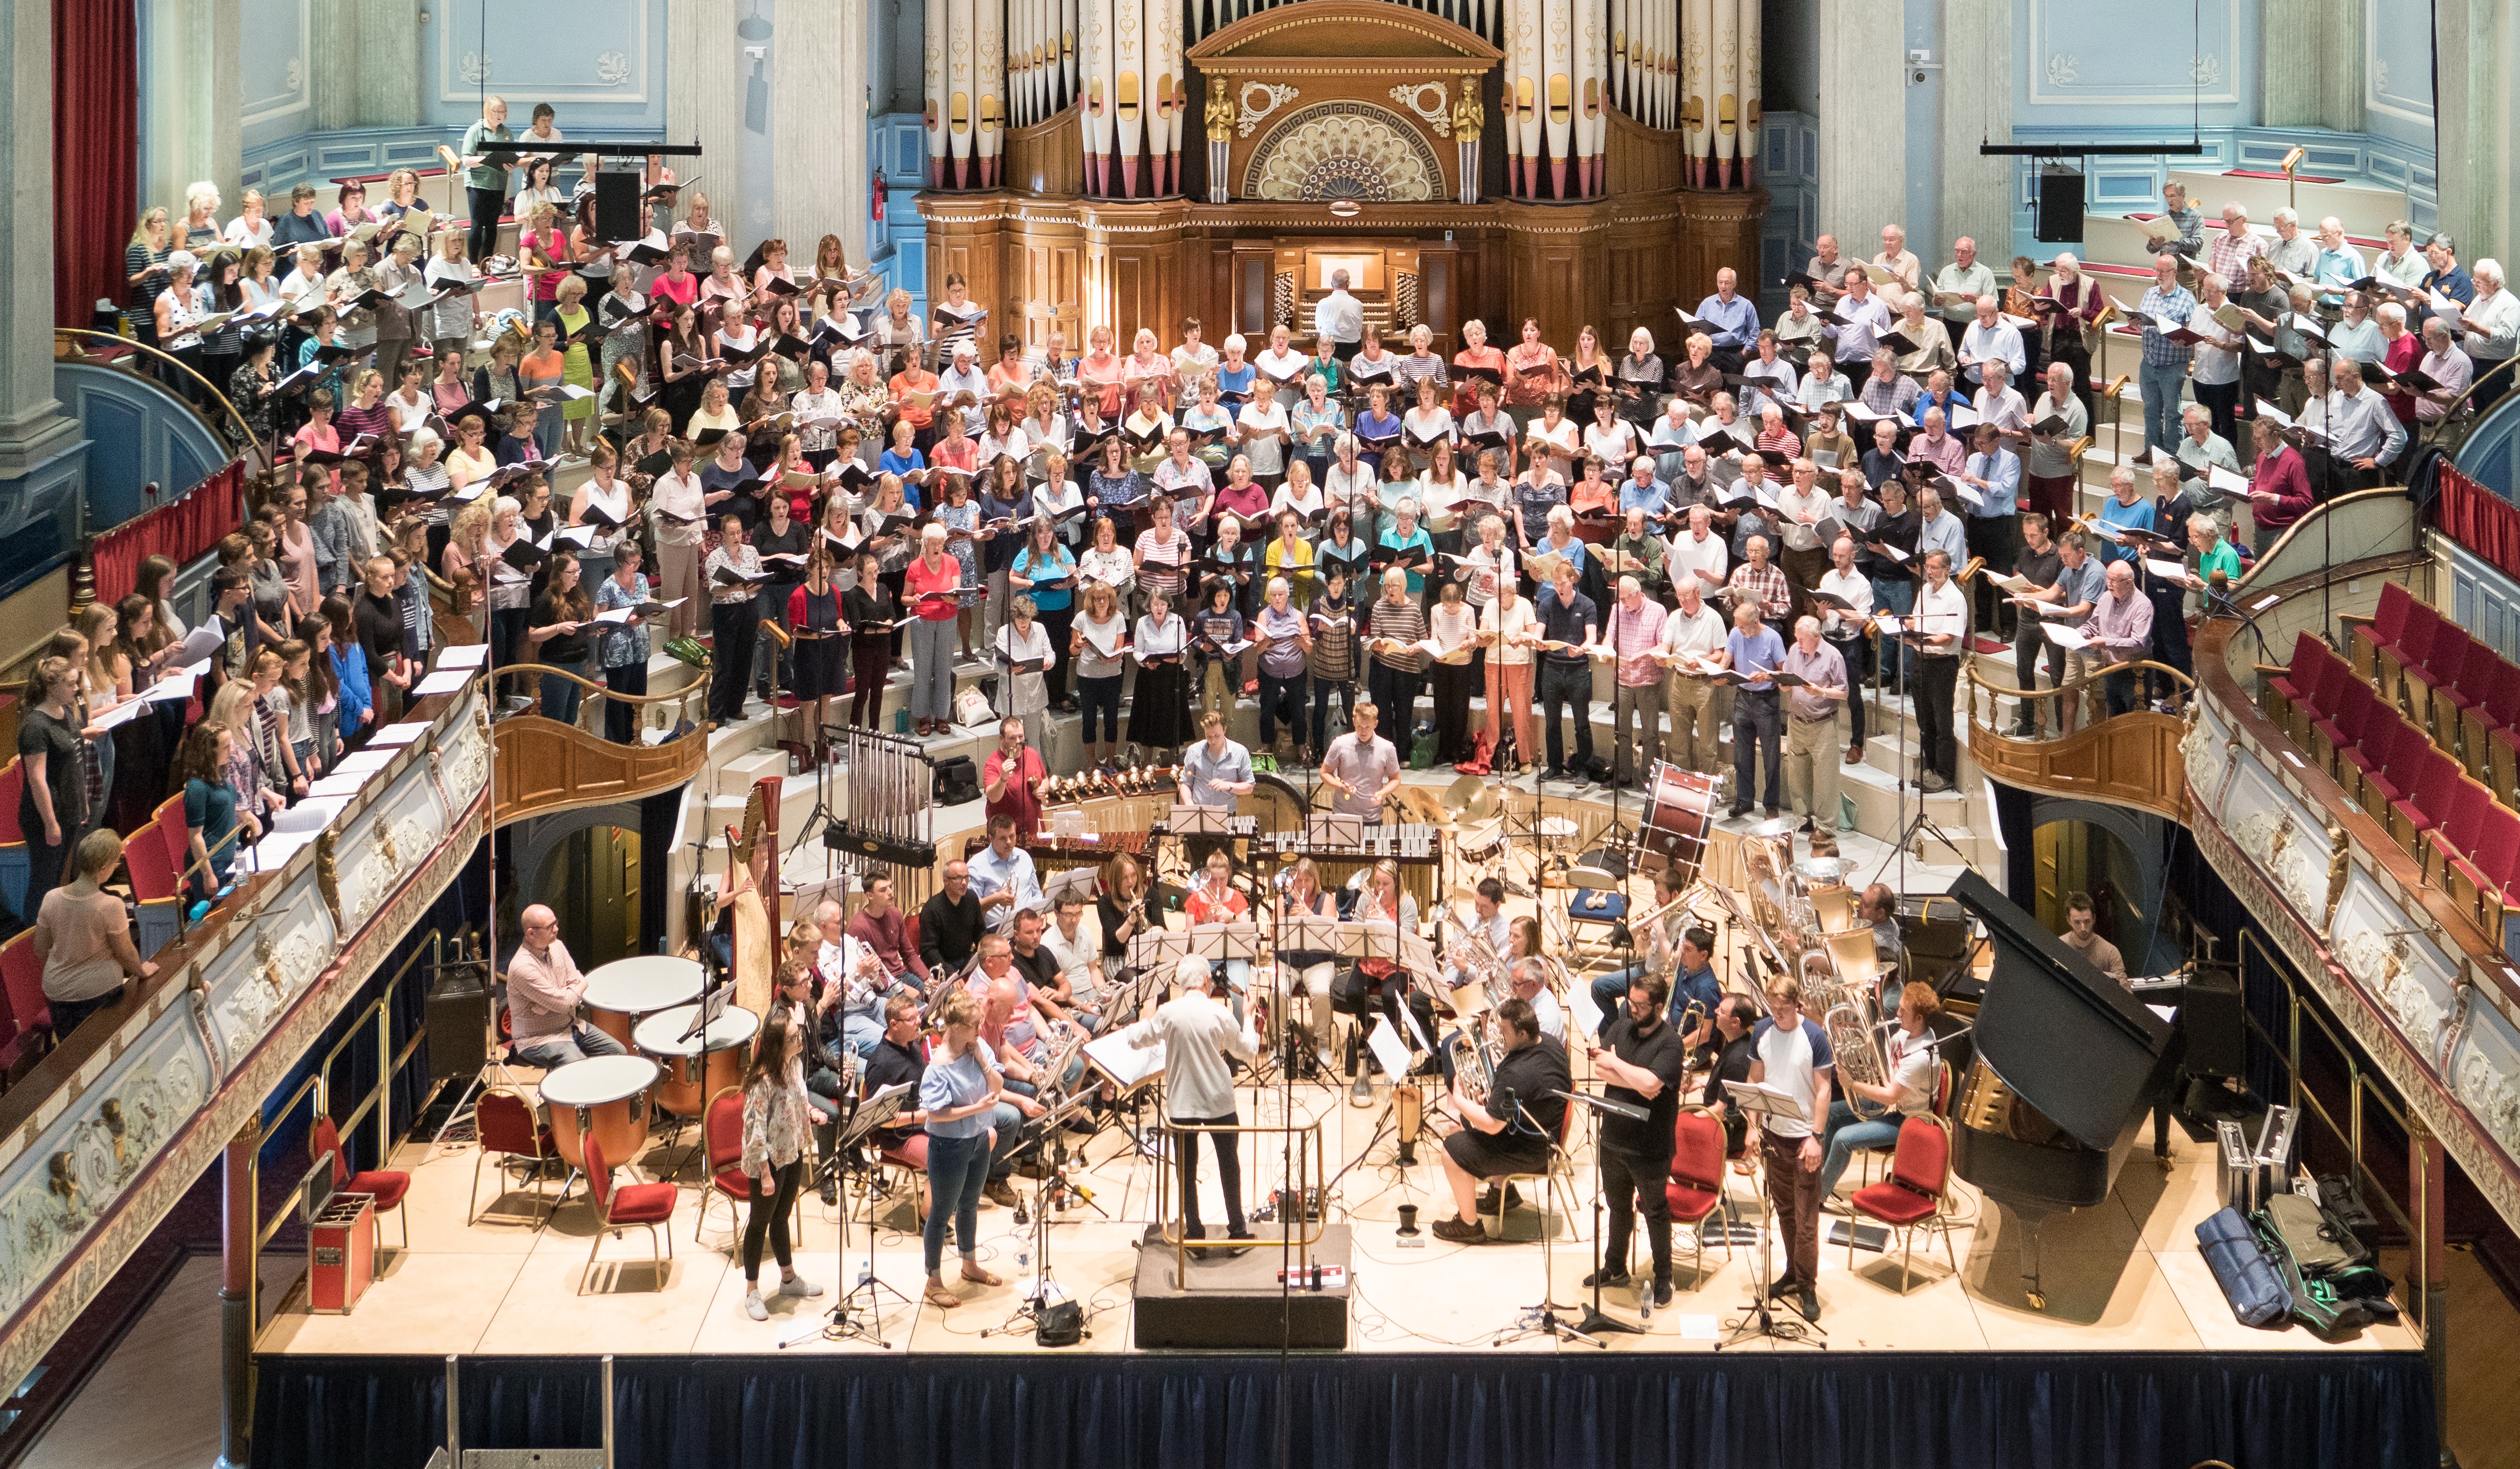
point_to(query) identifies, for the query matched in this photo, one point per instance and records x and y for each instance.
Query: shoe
(1605, 1279)
(1553, 773)
(1781, 1290)
(831, 1193)
(1772, 812)
(1837, 1206)
(1512, 1199)
(1662, 1290)
(1460, 1232)
(1933, 782)
(1000, 1192)
(1808, 1303)
(754, 1307)
(1855, 755)
(800, 1287)
(1078, 1124)
(1739, 812)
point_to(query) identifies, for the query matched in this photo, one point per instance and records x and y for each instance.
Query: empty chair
(2414, 818)
(646, 1205)
(2288, 691)
(155, 895)
(2405, 676)
(722, 1144)
(22, 976)
(12, 842)
(1695, 1189)
(1911, 1198)
(387, 1186)
(2485, 877)
(509, 1130)
(2457, 829)
(2444, 665)
(2366, 635)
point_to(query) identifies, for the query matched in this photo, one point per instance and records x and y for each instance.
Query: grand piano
(2066, 1064)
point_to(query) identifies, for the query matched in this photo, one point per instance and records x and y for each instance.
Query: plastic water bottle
(1024, 1260)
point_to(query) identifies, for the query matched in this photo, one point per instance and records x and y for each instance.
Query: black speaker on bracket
(617, 206)
(2060, 208)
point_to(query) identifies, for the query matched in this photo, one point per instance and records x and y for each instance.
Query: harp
(748, 896)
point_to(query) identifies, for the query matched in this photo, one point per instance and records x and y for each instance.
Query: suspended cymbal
(1471, 799)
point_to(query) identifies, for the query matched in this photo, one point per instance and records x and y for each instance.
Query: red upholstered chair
(2366, 637)
(2501, 713)
(1696, 1187)
(2414, 818)
(2366, 735)
(2457, 829)
(1913, 1196)
(2488, 873)
(722, 1146)
(507, 1129)
(646, 1205)
(2410, 686)
(2407, 749)
(22, 975)
(2289, 699)
(387, 1186)
(12, 842)
(154, 893)
(2443, 667)
(178, 837)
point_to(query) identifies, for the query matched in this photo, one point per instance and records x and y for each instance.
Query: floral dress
(966, 554)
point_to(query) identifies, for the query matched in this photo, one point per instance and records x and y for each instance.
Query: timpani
(621, 993)
(697, 1068)
(602, 1097)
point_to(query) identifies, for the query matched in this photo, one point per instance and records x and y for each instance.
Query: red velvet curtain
(2479, 519)
(96, 152)
(180, 531)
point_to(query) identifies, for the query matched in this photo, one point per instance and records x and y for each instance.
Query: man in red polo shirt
(1013, 778)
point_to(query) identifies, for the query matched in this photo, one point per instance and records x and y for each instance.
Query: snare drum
(1681, 811)
(1483, 843)
(620, 994)
(1557, 833)
(696, 1069)
(605, 1097)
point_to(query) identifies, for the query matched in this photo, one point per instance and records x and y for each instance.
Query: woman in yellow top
(577, 364)
(1291, 555)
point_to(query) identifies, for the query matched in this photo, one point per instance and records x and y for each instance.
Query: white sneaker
(798, 1285)
(753, 1307)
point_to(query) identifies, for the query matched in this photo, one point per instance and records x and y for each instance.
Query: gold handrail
(545, 670)
(270, 450)
(1972, 685)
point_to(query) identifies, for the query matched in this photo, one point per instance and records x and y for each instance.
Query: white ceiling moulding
(2207, 78)
(614, 68)
(298, 96)
(2376, 95)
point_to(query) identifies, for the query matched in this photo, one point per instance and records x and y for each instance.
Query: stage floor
(2123, 1276)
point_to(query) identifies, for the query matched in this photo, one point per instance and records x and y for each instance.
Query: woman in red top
(1533, 370)
(1101, 364)
(677, 282)
(931, 633)
(908, 378)
(1475, 353)
(541, 241)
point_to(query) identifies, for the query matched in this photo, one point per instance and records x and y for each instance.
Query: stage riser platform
(1455, 1410)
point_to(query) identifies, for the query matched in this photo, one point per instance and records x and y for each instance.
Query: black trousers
(1937, 683)
(485, 206)
(732, 629)
(1228, 1165)
(621, 719)
(1856, 652)
(1631, 1184)
(1353, 992)
(771, 1215)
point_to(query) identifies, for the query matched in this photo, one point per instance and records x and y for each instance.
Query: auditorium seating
(2459, 690)
(2466, 836)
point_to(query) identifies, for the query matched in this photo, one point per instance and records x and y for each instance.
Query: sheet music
(464, 656)
(1127, 1064)
(1387, 1046)
(452, 681)
(402, 733)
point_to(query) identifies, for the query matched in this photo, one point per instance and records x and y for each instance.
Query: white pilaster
(37, 443)
(818, 127)
(2477, 164)
(1977, 45)
(1862, 122)
(196, 96)
(705, 89)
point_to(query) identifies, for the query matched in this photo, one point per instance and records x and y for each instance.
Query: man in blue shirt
(2164, 372)
(1732, 322)
(1697, 986)
(1993, 522)
(1568, 616)
(1640, 491)
(1758, 718)
(1003, 876)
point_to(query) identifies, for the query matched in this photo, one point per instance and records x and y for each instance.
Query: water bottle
(1024, 1260)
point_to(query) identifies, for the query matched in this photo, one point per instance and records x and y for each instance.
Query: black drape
(1870, 1410)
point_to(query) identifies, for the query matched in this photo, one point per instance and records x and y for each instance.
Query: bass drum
(1278, 802)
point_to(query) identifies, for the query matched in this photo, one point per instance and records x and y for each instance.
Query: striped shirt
(1405, 622)
(1636, 632)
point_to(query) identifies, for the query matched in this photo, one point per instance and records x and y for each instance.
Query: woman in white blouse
(1001, 436)
(1350, 487)
(1428, 421)
(1611, 439)
(1553, 440)
(249, 229)
(601, 493)
(1024, 639)
(1261, 429)
(1440, 488)
(1044, 427)
(1490, 563)
(409, 403)
(1299, 494)
(1105, 562)
(1507, 629)
(1058, 495)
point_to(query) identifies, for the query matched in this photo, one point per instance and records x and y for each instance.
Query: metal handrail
(2184, 685)
(270, 450)
(1310, 1177)
(390, 1066)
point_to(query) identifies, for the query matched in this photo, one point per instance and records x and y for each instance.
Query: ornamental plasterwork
(1271, 96)
(1430, 101)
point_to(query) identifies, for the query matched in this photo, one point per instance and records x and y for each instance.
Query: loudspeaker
(458, 1035)
(616, 207)
(2060, 208)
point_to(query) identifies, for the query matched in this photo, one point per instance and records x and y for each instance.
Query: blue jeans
(1610, 991)
(2161, 386)
(958, 1168)
(560, 697)
(1846, 1135)
(581, 1042)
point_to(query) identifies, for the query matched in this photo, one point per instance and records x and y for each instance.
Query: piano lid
(2061, 1034)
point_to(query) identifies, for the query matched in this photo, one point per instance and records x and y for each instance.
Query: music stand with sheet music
(1760, 1100)
(1047, 1189)
(1542, 1319)
(1909, 633)
(868, 1115)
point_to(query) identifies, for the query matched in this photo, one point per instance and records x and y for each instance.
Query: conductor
(1197, 1035)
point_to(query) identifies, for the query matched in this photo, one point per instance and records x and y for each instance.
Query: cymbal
(1471, 799)
(1767, 831)
(1822, 868)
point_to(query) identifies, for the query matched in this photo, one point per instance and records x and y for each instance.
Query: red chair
(169, 817)
(387, 1186)
(1912, 1197)
(2292, 685)
(2458, 829)
(1696, 1187)
(22, 975)
(2411, 688)
(507, 1126)
(155, 894)
(722, 1146)
(12, 842)
(2489, 869)
(646, 1205)
(2413, 818)
(2443, 667)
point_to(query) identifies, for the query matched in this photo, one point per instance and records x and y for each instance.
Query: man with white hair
(2163, 375)
(2049, 475)
(1732, 322)
(2361, 432)
(1696, 632)
(2293, 252)
(1634, 634)
(1862, 317)
(1341, 317)
(1812, 756)
(2121, 628)
(1198, 1035)
(2492, 320)
(2337, 263)
(2199, 446)
(1959, 285)
(1990, 338)
(2445, 364)
(2230, 254)
(1898, 259)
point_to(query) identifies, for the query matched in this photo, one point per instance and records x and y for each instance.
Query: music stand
(1913, 829)
(1048, 1186)
(713, 1008)
(1758, 1321)
(1542, 1319)
(869, 1114)
(1594, 1323)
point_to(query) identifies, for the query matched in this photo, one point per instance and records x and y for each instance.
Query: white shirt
(1852, 586)
(1197, 1034)
(2499, 314)
(1998, 343)
(1704, 634)
(1519, 621)
(1940, 612)
(681, 495)
(1687, 553)
(1341, 317)
(1032, 695)
(1790, 1056)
